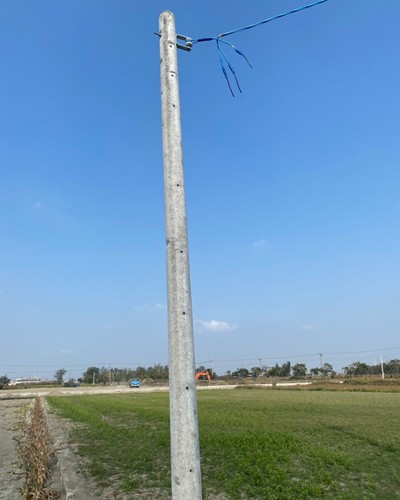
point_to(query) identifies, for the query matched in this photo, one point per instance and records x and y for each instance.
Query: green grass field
(261, 444)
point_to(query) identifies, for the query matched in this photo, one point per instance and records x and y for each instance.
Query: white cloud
(308, 328)
(150, 307)
(259, 243)
(65, 351)
(215, 326)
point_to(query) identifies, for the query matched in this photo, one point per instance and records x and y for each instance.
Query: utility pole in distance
(185, 453)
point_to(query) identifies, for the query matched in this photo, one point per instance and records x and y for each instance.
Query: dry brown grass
(37, 454)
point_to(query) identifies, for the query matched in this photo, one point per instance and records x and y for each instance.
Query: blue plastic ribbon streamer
(225, 64)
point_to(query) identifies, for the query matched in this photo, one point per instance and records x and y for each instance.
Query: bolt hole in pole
(185, 452)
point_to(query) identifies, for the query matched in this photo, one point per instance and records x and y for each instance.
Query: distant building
(25, 380)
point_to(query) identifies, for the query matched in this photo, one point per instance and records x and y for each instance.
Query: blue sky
(292, 186)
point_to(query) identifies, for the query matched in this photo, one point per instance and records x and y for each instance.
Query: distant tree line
(285, 370)
(391, 368)
(104, 375)
(108, 375)
(4, 380)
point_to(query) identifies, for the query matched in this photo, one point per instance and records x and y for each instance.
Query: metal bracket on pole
(188, 45)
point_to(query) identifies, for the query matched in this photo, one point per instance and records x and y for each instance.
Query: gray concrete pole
(185, 453)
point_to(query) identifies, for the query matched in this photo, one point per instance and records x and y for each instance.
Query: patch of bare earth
(11, 475)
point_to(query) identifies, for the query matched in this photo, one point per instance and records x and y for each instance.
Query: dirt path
(11, 478)
(33, 392)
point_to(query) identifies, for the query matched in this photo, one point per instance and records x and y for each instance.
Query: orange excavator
(202, 374)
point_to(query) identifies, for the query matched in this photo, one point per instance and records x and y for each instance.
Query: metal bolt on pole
(185, 453)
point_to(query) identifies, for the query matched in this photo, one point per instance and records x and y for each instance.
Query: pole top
(166, 17)
(165, 14)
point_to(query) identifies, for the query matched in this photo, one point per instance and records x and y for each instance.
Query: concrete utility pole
(382, 369)
(185, 453)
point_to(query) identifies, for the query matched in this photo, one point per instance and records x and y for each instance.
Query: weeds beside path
(37, 454)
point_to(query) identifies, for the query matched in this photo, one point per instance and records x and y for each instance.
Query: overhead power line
(296, 356)
(131, 364)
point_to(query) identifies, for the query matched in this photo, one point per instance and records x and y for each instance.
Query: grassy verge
(254, 444)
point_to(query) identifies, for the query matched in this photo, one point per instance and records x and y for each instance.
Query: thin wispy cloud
(215, 326)
(113, 326)
(259, 243)
(48, 211)
(150, 307)
(308, 328)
